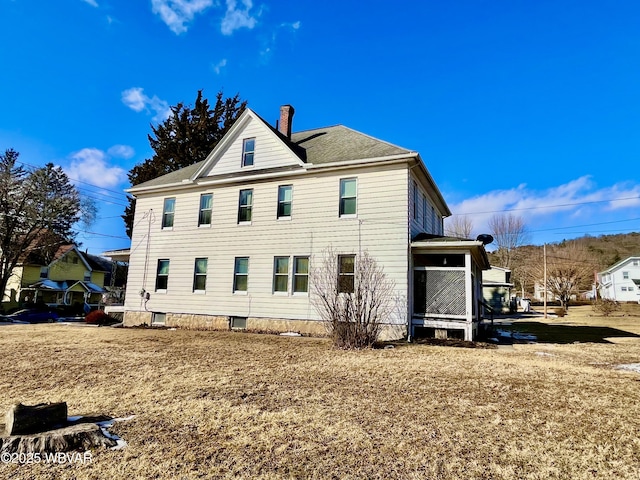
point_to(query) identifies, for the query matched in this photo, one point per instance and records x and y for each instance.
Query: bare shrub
(353, 309)
(605, 306)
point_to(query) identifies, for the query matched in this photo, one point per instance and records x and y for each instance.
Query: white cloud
(121, 151)
(136, 100)
(93, 3)
(90, 165)
(178, 13)
(577, 199)
(219, 66)
(236, 18)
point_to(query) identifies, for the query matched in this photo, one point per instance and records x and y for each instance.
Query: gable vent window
(248, 150)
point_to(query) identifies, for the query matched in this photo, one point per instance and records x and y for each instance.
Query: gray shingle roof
(339, 144)
(318, 146)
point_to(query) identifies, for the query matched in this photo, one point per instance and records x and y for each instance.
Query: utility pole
(544, 253)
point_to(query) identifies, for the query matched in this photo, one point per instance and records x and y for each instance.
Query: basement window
(238, 323)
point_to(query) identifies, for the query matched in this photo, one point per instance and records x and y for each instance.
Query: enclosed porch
(446, 286)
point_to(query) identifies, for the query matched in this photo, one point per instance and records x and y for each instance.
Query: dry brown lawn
(224, 404)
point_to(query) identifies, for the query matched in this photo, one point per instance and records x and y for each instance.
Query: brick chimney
(286, 119)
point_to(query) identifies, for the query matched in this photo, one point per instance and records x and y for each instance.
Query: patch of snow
(173, 329)
(74, 418)
(290, 334)
(545, 354)
(631, 367)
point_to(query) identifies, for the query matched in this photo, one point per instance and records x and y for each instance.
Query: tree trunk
(83, 436)
(25, 419)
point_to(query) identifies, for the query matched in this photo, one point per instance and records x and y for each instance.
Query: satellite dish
(485, 238)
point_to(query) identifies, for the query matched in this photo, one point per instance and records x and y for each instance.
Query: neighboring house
(621, 282)
(71, 278)
(496, 289)
(230, 241)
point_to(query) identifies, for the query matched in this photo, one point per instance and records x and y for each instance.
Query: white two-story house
(229, 242)
(621, 282)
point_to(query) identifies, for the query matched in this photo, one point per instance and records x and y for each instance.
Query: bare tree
(569, 268)
(509, 232)
(353, 296)
(460, 226)
(38, 211)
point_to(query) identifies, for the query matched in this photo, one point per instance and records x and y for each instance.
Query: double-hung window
(168, 212)
(285, 194)
(241, 274)
(162, 275)
(300, 274)
(281, 274)
(248, 150)
(346, 273)
(200, 275)
(625, 275)
(206, 207)
(348, 196)
(245, 205)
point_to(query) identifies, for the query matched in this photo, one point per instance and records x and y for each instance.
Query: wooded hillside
(602, 252)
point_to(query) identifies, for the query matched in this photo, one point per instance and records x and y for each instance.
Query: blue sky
(530, 106)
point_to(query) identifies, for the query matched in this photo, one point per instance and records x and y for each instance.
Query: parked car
(31, 315)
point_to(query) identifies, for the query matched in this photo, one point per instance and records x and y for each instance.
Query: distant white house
(496, 289)
(621, 282)
(230, 242)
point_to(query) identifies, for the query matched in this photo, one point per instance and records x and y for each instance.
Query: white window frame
(237, 274)
(158, 276)
(347, 274)
(168, 214)
(284, 202)
(197, 275)
(296, 274)
(277, 275)
(202, 210)
(248, 153)
(248, 207)
(341, 208)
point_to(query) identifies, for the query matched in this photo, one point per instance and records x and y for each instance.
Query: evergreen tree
(185, 138)
(38, 210)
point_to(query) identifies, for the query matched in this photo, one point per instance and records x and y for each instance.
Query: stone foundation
(189, 321)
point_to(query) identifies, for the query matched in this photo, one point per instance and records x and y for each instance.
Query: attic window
(248, 149)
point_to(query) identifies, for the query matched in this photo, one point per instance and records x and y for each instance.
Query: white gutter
(389, 160)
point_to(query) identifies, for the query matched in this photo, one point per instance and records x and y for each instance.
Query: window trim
(166, 214)
(284, 202)
(197, 274)
(246, 152)
(276, 275)
(201, 210)
(345, 274)
(236, 275)
(158, 275)
(296, 274)
(341, 208)
(248, 207)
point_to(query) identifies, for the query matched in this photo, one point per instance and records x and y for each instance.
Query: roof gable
(271, 150)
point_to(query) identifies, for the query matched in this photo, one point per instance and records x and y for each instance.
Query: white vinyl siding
(380, 227)
(423, 215)
(269, 151)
